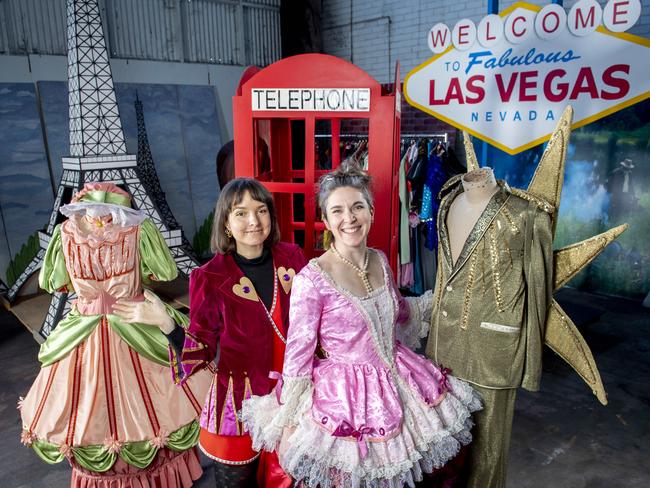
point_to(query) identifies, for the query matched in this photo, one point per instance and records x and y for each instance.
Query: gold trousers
(487, 462)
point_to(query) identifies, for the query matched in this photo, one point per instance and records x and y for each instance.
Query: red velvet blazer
(228, 322)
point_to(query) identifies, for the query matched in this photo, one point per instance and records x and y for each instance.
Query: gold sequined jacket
(490, 306)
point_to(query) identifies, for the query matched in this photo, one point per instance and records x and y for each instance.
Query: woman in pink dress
(357, 407)
(103, 399)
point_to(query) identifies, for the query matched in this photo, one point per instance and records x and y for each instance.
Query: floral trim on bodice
(111, 252)
(385, 355)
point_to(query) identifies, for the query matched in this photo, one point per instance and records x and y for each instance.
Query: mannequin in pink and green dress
(104, 399)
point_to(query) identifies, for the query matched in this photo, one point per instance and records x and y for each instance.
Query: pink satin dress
(372, 413)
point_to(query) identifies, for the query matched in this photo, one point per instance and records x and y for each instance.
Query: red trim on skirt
(227, 449)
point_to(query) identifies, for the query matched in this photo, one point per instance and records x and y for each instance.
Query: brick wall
(413, 121)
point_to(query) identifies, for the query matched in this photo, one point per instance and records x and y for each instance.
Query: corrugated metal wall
(204, 31)
(232, 32)
(212, 30)
(33, 26)
(262, 35)
(144, 29)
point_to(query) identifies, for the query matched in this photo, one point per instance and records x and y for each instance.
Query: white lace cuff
(265, 419)
(416, 327)
(296, 399)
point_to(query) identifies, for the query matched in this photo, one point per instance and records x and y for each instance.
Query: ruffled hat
(101, 199)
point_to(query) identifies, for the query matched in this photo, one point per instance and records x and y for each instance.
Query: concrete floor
(562, 436)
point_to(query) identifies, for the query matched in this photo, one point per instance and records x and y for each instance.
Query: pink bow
(345, 429)
(274, 375)
(444, 382)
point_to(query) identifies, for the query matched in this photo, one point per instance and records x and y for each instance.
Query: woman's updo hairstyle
(349, 173)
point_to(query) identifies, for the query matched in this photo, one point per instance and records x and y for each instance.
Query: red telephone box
(277, 113)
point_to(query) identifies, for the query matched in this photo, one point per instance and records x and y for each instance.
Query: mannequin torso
(465, 210)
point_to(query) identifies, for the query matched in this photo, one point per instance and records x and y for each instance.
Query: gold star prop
(545, 188)
(472, 162)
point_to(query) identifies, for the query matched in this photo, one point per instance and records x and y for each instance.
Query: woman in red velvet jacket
(239, 309)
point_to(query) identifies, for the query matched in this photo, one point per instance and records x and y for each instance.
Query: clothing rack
(358, 136)
(439, 135)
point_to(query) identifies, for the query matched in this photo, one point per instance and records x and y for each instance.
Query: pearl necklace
(362, 272)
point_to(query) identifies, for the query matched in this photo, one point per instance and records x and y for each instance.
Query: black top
(261, 273)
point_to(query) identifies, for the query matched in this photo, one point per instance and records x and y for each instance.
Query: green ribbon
(48, 452)
(145, 339)
(101, 196)
(140, 454)
(95, 458)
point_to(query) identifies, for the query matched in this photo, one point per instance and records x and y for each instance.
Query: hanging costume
(430, 164)
(372, 413)
(228, 315)
(103, 398)
(493, 308)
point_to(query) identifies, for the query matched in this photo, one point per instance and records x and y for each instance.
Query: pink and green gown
(103, 398)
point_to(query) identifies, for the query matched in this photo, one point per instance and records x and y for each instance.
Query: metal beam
(492, 8)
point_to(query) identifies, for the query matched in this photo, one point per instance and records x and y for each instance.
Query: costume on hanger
(103, 398)
(426, 165)
(404, 205)
(405, 276)
(493, 307)
(436, 178)
(228, 315)
(371, 413)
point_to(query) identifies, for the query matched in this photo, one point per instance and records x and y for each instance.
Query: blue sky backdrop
(183, 131)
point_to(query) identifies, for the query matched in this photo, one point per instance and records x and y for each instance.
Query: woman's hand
(151, 311)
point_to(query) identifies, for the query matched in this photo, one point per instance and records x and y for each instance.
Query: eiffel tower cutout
(98, 150)
(149, 178)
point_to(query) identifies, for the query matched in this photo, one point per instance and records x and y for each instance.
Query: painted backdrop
(607, 183)
(183, 132)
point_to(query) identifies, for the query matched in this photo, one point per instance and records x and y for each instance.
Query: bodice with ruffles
(103, 392)
(357, 382)
(103, 266)
(372, 409)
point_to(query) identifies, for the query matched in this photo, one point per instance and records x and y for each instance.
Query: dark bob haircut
(232, 194)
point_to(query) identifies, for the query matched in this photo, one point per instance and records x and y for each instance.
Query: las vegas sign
(507, 80)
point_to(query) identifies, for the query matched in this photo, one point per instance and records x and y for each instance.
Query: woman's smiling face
(250, 223)
(348, 216)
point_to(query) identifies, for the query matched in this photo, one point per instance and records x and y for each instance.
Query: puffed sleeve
(539, 283)
(266, 417)
(156, 262)
(202, 335)
(304, 324)
(54, 275)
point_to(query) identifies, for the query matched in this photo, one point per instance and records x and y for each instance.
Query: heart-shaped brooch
(286, 278)
(245, 289)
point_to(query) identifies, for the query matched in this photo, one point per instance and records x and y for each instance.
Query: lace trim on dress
(102, 237)
(122, 216)
(416, 328)
(265, 419)
(430, 437)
